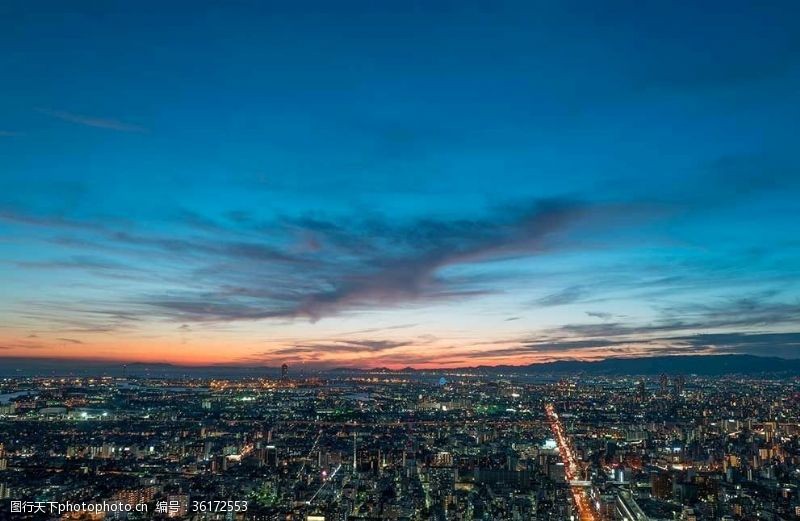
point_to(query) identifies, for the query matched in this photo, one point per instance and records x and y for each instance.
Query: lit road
(571, 468)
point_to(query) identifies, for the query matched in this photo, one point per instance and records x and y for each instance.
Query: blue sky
(398, 183)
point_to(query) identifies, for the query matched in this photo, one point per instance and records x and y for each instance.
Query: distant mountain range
(700, 365)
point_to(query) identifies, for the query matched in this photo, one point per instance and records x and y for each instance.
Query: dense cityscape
(401, 446)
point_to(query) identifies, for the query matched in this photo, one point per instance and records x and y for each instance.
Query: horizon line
(189, 366)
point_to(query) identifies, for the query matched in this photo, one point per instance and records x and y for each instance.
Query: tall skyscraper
(663, 385)
(641, 391)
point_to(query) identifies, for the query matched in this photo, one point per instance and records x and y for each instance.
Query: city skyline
(398, 185)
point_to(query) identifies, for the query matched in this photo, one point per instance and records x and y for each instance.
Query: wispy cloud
(706, 334)
(367, 262)
(24, 344)
(767, 344)
(567, 348)
(77, 262)
(69, 340)
(568, 295)
(259, 270)
(343, 346)
(92, 121)
(753, 325)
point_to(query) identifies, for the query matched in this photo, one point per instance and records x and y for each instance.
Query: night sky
(432, 184)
